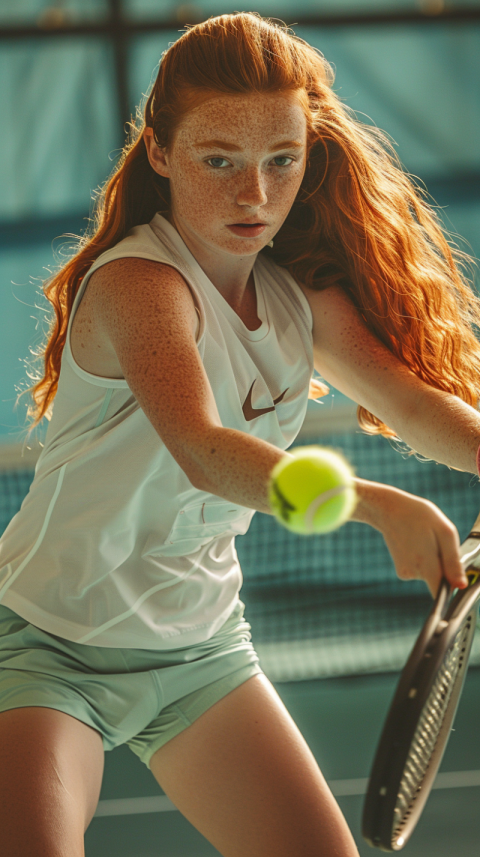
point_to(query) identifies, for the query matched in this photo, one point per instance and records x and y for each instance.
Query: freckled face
(235, 159)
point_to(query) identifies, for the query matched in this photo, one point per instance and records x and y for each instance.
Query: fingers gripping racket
(420, 718)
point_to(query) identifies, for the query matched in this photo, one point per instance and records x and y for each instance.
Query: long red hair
(358, 220)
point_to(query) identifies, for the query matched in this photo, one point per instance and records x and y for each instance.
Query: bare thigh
(51, 768)
(244, 776)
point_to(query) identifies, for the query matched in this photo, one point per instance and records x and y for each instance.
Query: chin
(245, 251)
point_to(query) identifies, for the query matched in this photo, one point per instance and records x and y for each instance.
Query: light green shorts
(139, 697)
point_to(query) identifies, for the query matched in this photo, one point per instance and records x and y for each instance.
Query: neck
(231, 275)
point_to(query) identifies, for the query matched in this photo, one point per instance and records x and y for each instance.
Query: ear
(156, 156)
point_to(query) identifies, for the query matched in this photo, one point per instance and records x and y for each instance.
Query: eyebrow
(231, 147)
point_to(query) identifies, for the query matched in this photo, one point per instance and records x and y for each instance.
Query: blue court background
(61, 134)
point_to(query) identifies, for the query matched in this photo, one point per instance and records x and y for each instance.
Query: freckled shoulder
(110, 295)
(145, 312)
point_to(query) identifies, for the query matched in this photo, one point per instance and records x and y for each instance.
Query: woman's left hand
(423, 542)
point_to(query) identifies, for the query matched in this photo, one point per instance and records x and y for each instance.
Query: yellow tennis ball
(313, 492)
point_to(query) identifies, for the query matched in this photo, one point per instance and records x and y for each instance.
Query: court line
(446, 780)
(134, 805)
(340, 788)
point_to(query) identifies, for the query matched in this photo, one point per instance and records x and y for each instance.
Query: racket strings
(429, 727)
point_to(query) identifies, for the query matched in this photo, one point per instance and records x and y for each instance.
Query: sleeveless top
(113, 546)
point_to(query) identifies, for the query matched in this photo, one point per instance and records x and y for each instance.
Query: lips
(247, 230)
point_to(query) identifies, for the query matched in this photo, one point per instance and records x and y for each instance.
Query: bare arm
(422, 541)
(435, 424)
(147, 312)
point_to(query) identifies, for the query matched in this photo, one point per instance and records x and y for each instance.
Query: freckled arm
(147, 311)
(435, 424)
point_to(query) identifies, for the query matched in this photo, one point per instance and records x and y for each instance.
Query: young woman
(252, 230)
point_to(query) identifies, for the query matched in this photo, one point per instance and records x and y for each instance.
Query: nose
(252, 190)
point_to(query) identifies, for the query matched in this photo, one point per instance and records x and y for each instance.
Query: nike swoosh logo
(249, 412)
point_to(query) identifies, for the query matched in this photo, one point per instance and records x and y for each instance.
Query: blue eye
(216, 165)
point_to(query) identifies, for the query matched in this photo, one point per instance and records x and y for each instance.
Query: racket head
(421, 714)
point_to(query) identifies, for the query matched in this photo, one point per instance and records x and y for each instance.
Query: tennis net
(331, 605)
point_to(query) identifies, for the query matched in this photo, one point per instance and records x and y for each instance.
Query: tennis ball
(313, 491)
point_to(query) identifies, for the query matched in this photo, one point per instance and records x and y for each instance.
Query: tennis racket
(420, 718)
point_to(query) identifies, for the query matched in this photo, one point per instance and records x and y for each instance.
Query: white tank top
(113, 546)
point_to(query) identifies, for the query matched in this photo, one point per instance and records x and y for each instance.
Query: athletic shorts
(139, 697)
